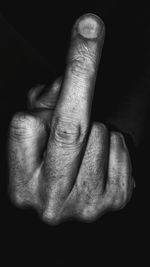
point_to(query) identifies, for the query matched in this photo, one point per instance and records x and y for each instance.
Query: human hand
(58, 162)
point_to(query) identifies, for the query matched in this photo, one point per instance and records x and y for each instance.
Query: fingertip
(90, 26)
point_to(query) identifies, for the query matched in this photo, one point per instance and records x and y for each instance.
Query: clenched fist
(58, 162)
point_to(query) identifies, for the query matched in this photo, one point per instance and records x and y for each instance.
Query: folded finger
(89, 185)
(120, 182)
(27, 137)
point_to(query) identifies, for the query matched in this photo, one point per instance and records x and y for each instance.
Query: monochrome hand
(59, 162)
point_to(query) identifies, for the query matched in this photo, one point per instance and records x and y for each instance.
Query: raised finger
(74, 103)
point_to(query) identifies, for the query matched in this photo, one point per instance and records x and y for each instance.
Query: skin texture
(59, 162)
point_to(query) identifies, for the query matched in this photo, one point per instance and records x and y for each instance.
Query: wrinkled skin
(59, 162)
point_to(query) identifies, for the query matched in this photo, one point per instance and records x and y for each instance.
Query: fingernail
(90, 26)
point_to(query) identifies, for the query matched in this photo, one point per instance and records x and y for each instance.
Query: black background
(33, 48)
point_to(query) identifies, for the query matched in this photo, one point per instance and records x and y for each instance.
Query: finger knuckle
(67, 132)
(120, 199)
(23, 126)
(113, 198)
(89, 213)
(118, 193)
(52, 218)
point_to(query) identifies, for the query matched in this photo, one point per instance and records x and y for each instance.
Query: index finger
(74, 103)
